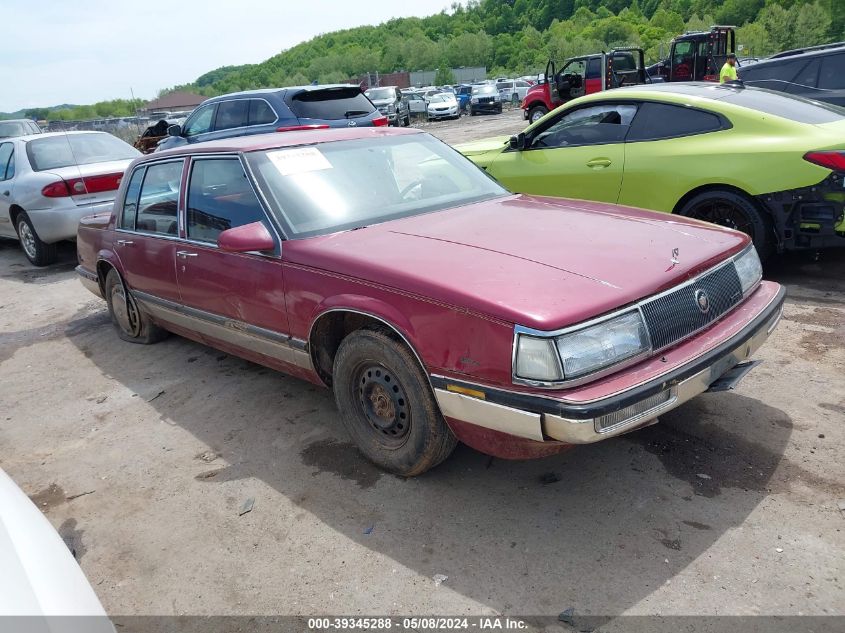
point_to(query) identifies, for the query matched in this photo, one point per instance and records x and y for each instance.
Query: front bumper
(443, 114)
(492, 106)
(542, 418)
(61, 223)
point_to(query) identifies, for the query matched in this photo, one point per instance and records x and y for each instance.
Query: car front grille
(677, 314)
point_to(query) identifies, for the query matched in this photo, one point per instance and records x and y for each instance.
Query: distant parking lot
(142, 458)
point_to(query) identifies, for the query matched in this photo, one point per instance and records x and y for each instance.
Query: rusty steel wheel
(387, 406)
(130, 322)
(384, 403)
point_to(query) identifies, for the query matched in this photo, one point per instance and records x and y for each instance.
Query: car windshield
(440, 97)
(377, 94)
(14, 128)
(64, 150)
(341, 185)
(484, 90)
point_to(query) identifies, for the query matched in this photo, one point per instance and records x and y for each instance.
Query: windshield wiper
(349, 113)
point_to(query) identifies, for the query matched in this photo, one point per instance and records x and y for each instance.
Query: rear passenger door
(7, 172)
(237, 299)
(668, 150)
(147, 231)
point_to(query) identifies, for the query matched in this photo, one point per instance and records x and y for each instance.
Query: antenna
(75, 160)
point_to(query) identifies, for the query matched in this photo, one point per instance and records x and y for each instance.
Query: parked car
(18, 127)
(390, 103)
(463, 94)
(443, 106)
(416, 103)
(815, 73)
(41, 580)
(766, 163)
(513, 90)
(275, 110)
(485, 98)
(49, 181)
(438, 306)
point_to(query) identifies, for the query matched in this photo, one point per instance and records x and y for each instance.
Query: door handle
(599, 163)
(185, 254)
(125, 242)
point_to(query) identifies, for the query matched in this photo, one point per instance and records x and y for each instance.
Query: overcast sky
(58, 51)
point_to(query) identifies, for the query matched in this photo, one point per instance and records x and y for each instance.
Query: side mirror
(246, 238)
(517, 142)
(174, 130)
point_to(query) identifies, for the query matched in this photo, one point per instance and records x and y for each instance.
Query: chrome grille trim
(725, 268)
(675, 316)
(636, 411)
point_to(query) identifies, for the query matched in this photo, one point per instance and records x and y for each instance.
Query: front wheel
(131, 323)
(37, 251)
(735, 211)
(536, 113)
(387, 406)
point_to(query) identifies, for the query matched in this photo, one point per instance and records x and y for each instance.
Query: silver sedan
(49, 181)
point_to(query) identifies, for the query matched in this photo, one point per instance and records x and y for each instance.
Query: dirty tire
(132, 324)
(536, 113)
(735, 211)
(387, 406)
(406, 122)
(38, 252)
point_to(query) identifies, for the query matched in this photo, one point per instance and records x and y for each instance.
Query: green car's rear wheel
(735, 211)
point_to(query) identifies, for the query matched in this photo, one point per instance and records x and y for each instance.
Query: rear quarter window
(331, 104)
(786, 106)
(660, 120)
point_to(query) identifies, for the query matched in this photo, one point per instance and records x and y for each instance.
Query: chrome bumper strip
(550, 416)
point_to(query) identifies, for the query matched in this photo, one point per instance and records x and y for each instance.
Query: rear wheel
(515, 99)
(36, 250)
(387, 406)
(536, 113)
(735, 211)
(131, 323)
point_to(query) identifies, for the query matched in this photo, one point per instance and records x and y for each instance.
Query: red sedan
(438, 306)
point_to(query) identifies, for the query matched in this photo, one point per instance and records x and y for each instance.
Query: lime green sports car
(763, 162)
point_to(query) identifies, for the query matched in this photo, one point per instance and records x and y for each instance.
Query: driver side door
(580, 153)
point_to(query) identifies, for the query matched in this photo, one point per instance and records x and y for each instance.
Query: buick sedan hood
(540, 262)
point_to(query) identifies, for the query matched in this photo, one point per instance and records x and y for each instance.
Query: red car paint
(452, 283)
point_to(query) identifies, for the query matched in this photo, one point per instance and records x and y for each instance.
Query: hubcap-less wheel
(384, 404)
(125, 311)
(725, 214)
(537, 115)
(27, 240)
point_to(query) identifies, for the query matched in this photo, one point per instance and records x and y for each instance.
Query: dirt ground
(142, 457)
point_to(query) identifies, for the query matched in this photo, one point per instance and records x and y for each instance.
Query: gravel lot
(729, 506)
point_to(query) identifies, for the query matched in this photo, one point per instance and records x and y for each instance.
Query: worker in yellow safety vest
(728, 72)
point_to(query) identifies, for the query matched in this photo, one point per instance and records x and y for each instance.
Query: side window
(594, 68)
(159, 201)
(832, 75)
(683, 53)
(659, 120)
(231, 114)
(130, 202)
(578, 67)
(219, 198)
(596, 125)
(260, 113)
(7, 161)
(807, 78)
(200, 121)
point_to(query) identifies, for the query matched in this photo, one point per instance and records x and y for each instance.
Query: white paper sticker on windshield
(298, 160)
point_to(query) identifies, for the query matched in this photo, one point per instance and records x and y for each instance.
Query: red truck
(582, 76)
(697, 55)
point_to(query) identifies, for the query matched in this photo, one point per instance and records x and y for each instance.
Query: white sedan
(443, 106)
(49, 181)
(38, 575)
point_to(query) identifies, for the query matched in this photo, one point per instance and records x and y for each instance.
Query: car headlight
(474, 99)
(583, 351)
(391, 108)
(748, 268)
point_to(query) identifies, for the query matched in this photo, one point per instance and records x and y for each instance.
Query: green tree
(444, 75)
(812, 24)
